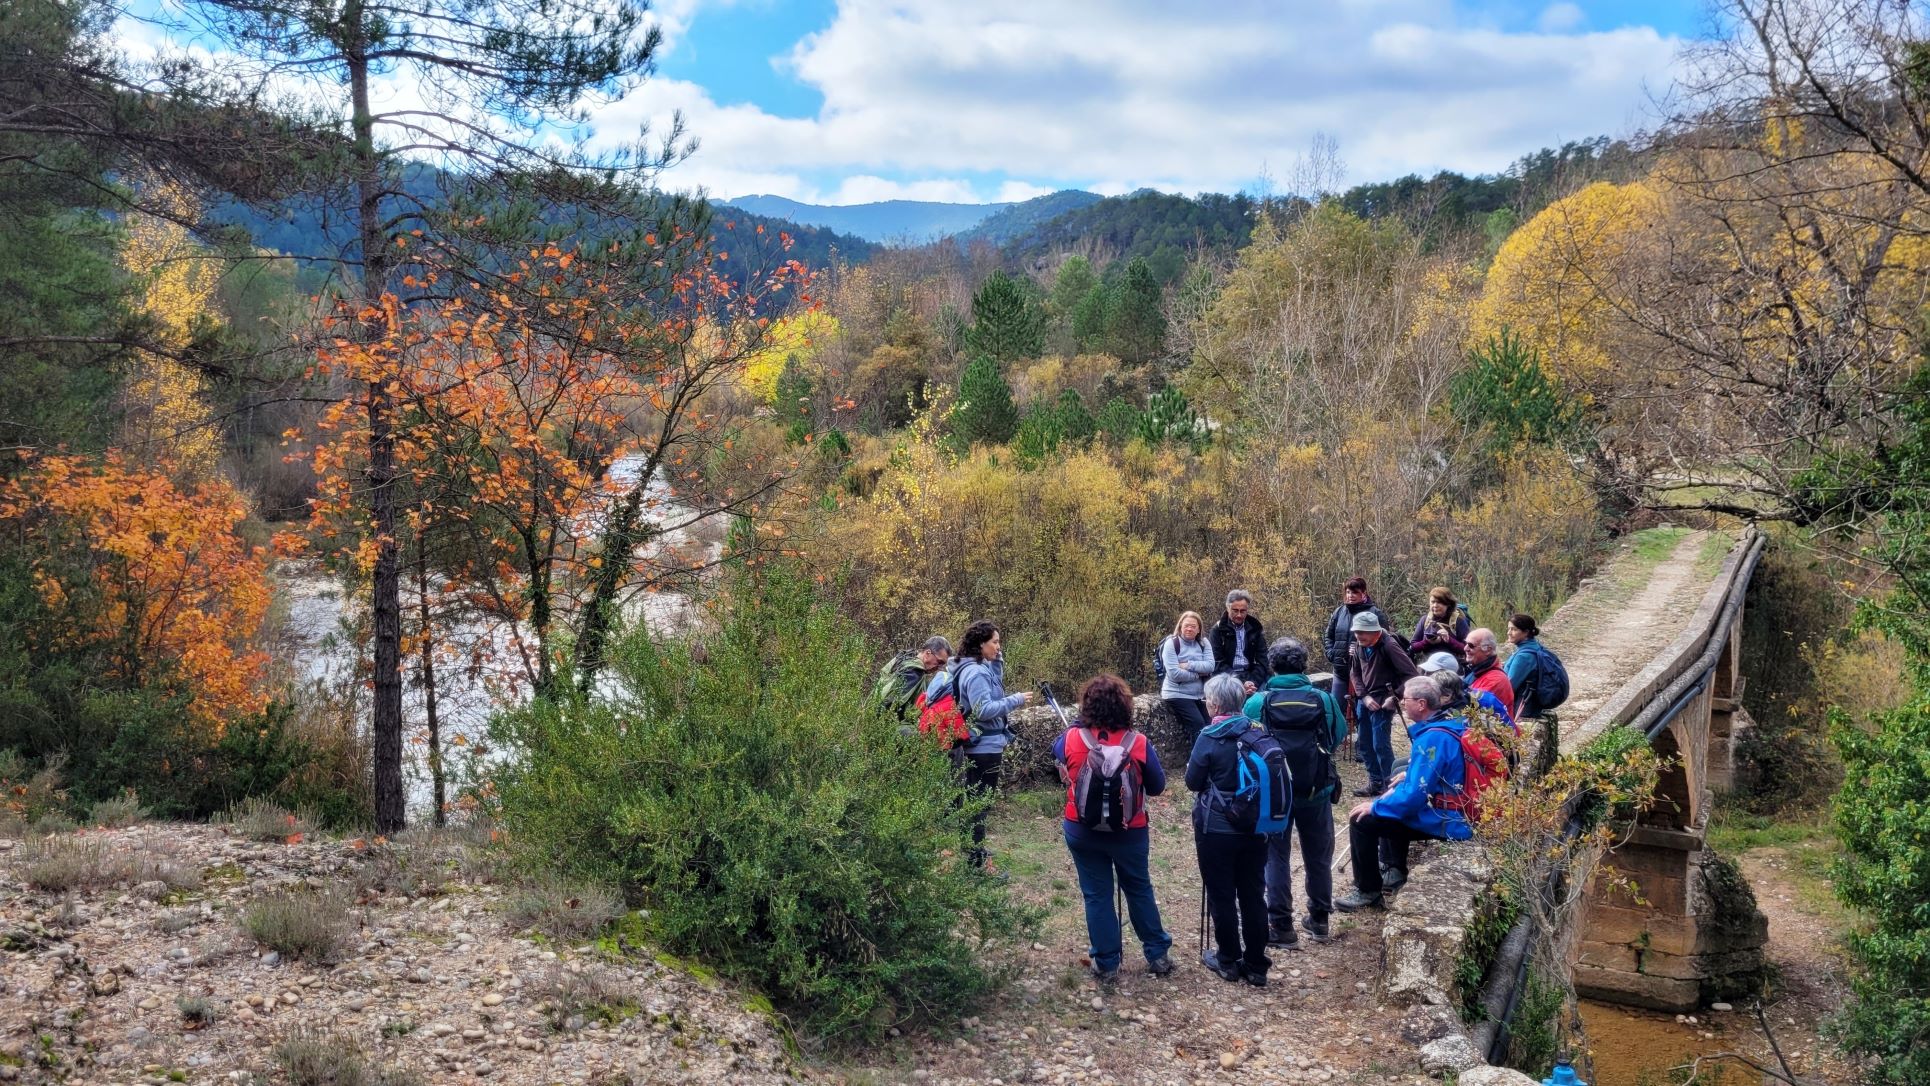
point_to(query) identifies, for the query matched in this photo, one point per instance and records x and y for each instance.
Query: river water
(1640, 1048)
(489, 667)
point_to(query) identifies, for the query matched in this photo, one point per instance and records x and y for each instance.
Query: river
(321, 653)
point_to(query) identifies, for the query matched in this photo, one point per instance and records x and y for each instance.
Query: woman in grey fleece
(979, 677)
(1188, 659)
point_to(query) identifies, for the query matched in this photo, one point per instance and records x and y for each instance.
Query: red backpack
(1482, 764)
(942, 718)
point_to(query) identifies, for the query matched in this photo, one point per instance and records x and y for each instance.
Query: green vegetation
(772, 826)
(306, 924)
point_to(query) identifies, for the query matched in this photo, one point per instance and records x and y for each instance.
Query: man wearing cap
(1379, 669)
(1446, 671)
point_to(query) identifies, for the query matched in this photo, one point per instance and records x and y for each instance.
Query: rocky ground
(141, 973)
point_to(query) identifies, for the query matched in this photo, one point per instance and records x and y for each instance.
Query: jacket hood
(1292, 681)
(1454, 722)
(1227, 726)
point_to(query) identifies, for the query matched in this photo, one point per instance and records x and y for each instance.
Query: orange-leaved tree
(149, 574)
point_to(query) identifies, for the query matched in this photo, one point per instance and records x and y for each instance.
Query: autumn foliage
(151, 574)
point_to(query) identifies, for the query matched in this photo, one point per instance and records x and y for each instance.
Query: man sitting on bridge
(1484, 671)
(1413, 809)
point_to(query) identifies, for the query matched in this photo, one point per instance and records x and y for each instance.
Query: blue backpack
(1551, 678)
(1265, 793)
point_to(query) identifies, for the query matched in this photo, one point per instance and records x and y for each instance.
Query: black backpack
(1298, 719)
(1159, 659)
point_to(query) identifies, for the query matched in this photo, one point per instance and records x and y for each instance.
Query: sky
(849, 101)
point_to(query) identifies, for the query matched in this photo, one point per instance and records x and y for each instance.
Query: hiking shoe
(1256, 980)
(1315, 929)
(1392, 879)
(1357, 900)
(1283, 938)
(1161, 966)
(1211, 960)
(1103, 976)
(1369, 790)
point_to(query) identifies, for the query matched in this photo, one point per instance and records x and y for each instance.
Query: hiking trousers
(1374, 840)
(1189, 714)
(1098, 857)
(1377, 745)
(981, 778)
(1233, 872)
(1314, 822)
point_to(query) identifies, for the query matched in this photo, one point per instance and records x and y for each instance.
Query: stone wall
(1028, 761)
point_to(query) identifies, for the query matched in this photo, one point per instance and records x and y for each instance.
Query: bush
(586, 995)
(316, 1058)
(564, 911)
(260, 820)
(61, 864)
(299, 924)
(1883, 814)
(775, 828)
(120, 811)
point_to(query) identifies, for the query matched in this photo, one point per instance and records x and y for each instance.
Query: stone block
(1608, 956)
(1449, 1055)
(1637, 989)
(1494, 1076)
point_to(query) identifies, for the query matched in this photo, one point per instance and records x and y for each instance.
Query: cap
(1440, 661)
(1366, 622)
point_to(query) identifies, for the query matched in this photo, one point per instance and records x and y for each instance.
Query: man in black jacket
(1239, 643)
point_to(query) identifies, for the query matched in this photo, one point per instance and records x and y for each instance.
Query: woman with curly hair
(978, 676)
(1109, 770)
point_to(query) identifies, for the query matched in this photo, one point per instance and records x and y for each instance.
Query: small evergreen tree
(1038, 437)
(794, 400)
(1119, 420)
(1008, 321)
(1169, 418)
(1075, 422)
(1136, 317)
(1506, 392)
(1089, 318)
(985, 412)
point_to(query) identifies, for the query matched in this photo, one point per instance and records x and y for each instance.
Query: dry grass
(573, 997)
(117, 813)
(318, 1058)
(314, 926)
(260, 820)
(63, 864)
(564, 911)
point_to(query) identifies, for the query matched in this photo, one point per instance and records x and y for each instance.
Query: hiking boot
(1103, 976)
(1368, 790)
(1161, 966)
(1392, 879)
(1283, 938)
(1256, 980)
(1211, 960)
(1357, 900)
(1315, 929)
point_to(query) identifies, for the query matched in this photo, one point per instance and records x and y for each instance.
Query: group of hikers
(1263, 742)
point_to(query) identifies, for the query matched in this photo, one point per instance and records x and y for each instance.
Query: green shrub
(1883, 814)
(775, 828)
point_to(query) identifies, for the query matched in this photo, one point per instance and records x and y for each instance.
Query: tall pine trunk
(386, 582)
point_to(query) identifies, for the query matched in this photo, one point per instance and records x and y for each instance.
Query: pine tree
(985, 412)
(1075, 421)
(1136, 317)
(1075, 280)
(1008, 323)
(1089, 318)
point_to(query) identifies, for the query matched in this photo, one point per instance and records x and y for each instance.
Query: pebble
(1721, 1007)
(357, 1003)
(493, 999)
(291, 998)
(150, 1003)
(1098, 1004)
(1228, 1061)
(441, 1029)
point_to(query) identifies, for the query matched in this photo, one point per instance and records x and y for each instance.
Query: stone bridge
(1663, 925)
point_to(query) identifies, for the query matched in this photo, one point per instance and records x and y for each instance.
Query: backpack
(891, 692)
(1482, 764)
(1109, 793)
(1264, 795)
(1298, 720)
(1551, 678)
(1159, 660)
(942, 717)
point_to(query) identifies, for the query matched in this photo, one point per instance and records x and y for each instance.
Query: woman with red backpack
(1109, 769)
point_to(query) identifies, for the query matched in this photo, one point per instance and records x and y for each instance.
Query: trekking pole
(1202, 917)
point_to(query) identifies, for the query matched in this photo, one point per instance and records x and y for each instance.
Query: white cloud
(1185, 95)
(1560, 18)
(1013, 192)
(865, 189)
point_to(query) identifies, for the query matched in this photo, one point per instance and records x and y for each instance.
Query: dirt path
(1631, 611)
(1321, 1019)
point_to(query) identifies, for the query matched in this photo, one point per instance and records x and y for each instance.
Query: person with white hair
(1484, 670)
(1232, 861)
(1419, 806)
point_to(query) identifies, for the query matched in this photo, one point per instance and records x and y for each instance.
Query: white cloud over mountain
(932, 99)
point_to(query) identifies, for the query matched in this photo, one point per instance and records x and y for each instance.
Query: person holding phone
(979, 678)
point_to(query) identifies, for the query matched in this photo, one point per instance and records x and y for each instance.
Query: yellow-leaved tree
(1555, 281)
(167, 420)
(800, 337)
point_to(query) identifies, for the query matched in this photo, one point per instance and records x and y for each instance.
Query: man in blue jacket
(1410, 810)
